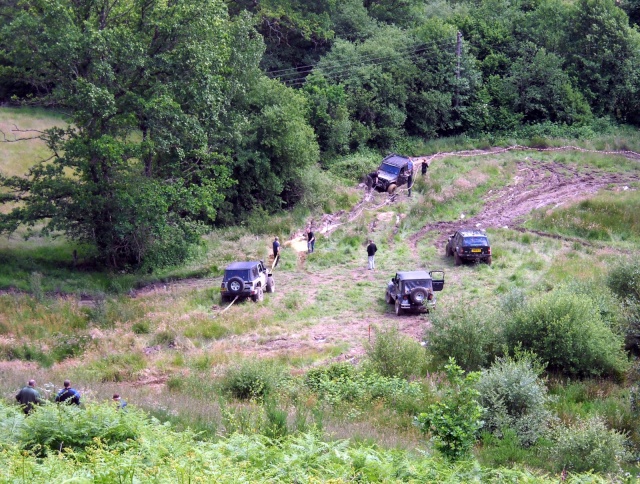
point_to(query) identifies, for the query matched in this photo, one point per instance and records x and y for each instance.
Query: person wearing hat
(119, 401)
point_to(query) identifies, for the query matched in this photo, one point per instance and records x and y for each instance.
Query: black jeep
(469, 244)
(246, 279)
(393, 172)
(414, 290)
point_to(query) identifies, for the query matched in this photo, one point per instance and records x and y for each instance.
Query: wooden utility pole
(458, 55)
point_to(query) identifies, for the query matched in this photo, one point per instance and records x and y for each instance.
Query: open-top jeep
(246, 279)
(414, 290)
(469, 244)
(393, 172)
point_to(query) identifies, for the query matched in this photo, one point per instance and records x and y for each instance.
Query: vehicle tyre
(387, 297)
(271, 285)
(391, 188)
(418, 295)
(399, 309)
(447, 250)
(457, 259)
(489, 260)
(259, 295)
(235, 285)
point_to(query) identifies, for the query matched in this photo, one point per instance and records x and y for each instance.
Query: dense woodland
(214, 109)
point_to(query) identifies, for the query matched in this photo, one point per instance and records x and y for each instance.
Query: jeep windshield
(394, 170)
(475, 242)
(241, 273)
(410, 285)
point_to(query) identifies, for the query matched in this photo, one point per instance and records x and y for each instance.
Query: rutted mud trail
(537, 184)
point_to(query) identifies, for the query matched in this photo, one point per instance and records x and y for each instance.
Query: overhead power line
(336, 69)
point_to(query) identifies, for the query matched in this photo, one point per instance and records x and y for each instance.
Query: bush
(252, 380)
(395, 354)
(624, 280)
(341, 382)
(54, 427)
(513, 397)
(588, 445)
(455, 420)
(566, 330)
(471, 336)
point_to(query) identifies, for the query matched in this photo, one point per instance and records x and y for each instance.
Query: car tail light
(430, 296)
(223, 285)
(489, 250)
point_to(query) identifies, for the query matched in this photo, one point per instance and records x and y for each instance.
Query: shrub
(342, 382)
(624, 280)
(395, 354)
(455, 420)
(471, 336)
(54, 427)
(252, 380)
(588, 445)
(513, 397)
(566, 330)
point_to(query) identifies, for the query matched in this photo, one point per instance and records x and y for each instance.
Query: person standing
(371, 253)
(276, 252)
(311, 241)
(68, 394)
(409, 176)
(120, 403)
(425, 166)
(28, 397)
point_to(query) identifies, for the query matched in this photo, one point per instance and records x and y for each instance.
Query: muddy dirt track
(536, 185)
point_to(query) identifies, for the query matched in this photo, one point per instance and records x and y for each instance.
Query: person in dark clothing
(28, 397)
(372, 180)
(119, 401)
(276, 252)
(371, 252)
(424, 168)
(311, 241)
(68, 394)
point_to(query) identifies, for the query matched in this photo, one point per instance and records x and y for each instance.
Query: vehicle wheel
(457, 259)
(387, 297)
(235, 285)
(447, 250)
(489, 260)
(391, 188)
(259, 296)
(271, 285)
(399, 310)
(418, 295)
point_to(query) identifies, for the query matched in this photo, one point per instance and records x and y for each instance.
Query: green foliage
(624, 280)
(138, 173)
(514, 398)
(455, 420)
(56, 427)
(252, 380)
(470, 335)
(567, 331)
(341, 382)
(394, 354)
(588, 445)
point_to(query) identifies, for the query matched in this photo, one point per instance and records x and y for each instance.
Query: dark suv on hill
(393, 172)
(414, 290)
(469, 244)
(246, 279)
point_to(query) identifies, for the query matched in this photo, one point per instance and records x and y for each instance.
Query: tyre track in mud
(537, 184)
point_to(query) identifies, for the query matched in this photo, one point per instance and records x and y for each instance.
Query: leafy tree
(275, 145)
(147, 85)
(455, 420)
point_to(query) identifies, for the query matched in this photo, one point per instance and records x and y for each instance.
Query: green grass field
(165, 343)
